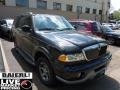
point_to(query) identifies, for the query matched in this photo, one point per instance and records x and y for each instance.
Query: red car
(87, 26)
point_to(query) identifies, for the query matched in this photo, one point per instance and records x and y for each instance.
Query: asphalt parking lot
(16, 63)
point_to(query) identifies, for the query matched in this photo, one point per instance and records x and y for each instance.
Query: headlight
(71, 58)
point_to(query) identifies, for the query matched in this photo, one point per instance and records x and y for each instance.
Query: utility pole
(102, 11)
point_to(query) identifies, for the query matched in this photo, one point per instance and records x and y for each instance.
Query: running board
(29, 60)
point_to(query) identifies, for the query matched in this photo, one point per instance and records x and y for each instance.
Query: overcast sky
(115, 4)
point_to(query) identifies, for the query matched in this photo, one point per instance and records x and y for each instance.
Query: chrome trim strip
(99, 46)
(84, 54)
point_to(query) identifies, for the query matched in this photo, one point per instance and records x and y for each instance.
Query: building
(85, 9)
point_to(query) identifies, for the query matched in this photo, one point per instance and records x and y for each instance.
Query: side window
(21, 22)
(79, 26)
(96, 27)
(3, 22)
(25, 21)
(16, 21)
(82, 26)
(74, 24)
(28, 21)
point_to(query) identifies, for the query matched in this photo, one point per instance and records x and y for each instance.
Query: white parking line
(7, 69)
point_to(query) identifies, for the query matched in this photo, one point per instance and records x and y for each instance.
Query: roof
(31, 13)
(81, 20)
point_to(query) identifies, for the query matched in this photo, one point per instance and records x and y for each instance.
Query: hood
(70, 38)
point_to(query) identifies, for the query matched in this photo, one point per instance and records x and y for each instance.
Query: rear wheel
(45, 71)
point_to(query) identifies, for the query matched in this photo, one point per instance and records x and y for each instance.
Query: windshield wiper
(46, 29)
(67, 29)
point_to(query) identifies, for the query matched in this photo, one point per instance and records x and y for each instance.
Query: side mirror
(75, 26)
(26, 28)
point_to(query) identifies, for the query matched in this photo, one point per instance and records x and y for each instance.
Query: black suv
(59, 52)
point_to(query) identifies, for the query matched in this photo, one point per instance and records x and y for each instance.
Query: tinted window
(3, 22)
(16, 21)
(25, 21)
(96, 26)
(79, 25)
(73, 23)
(82, 26)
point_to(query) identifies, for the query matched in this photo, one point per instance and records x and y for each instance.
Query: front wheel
(45, 71)
(15, 43)
(10, 36)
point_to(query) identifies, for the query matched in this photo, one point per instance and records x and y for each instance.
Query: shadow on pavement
(105, 83)
(2, 36)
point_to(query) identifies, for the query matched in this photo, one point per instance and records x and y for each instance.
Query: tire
(111, 41)
(10, 36)
(45, 72)
(15, 44)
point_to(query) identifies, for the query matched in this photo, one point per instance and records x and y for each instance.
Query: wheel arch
(42, 52)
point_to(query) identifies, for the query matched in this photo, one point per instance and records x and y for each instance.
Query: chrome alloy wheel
(44, 71)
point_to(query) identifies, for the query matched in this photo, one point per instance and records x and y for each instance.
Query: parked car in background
(118, 24)
(111, 25)
(58, 51)
(110, 35)
(87, 26)
(93, 27)
(114, 26)
(5, 27)
(107, 24)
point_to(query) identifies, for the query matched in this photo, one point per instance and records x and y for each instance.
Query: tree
(116, 15)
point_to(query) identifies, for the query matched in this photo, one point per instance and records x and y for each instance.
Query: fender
(44, 51)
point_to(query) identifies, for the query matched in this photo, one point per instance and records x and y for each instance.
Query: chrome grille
(94, 51)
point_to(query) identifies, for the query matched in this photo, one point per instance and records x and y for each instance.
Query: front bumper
(77, 73)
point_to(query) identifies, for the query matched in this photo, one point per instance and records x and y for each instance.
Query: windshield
(107, 29)
(51, 22)
(9, 22)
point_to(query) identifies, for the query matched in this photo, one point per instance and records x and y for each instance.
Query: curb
(4, 58)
